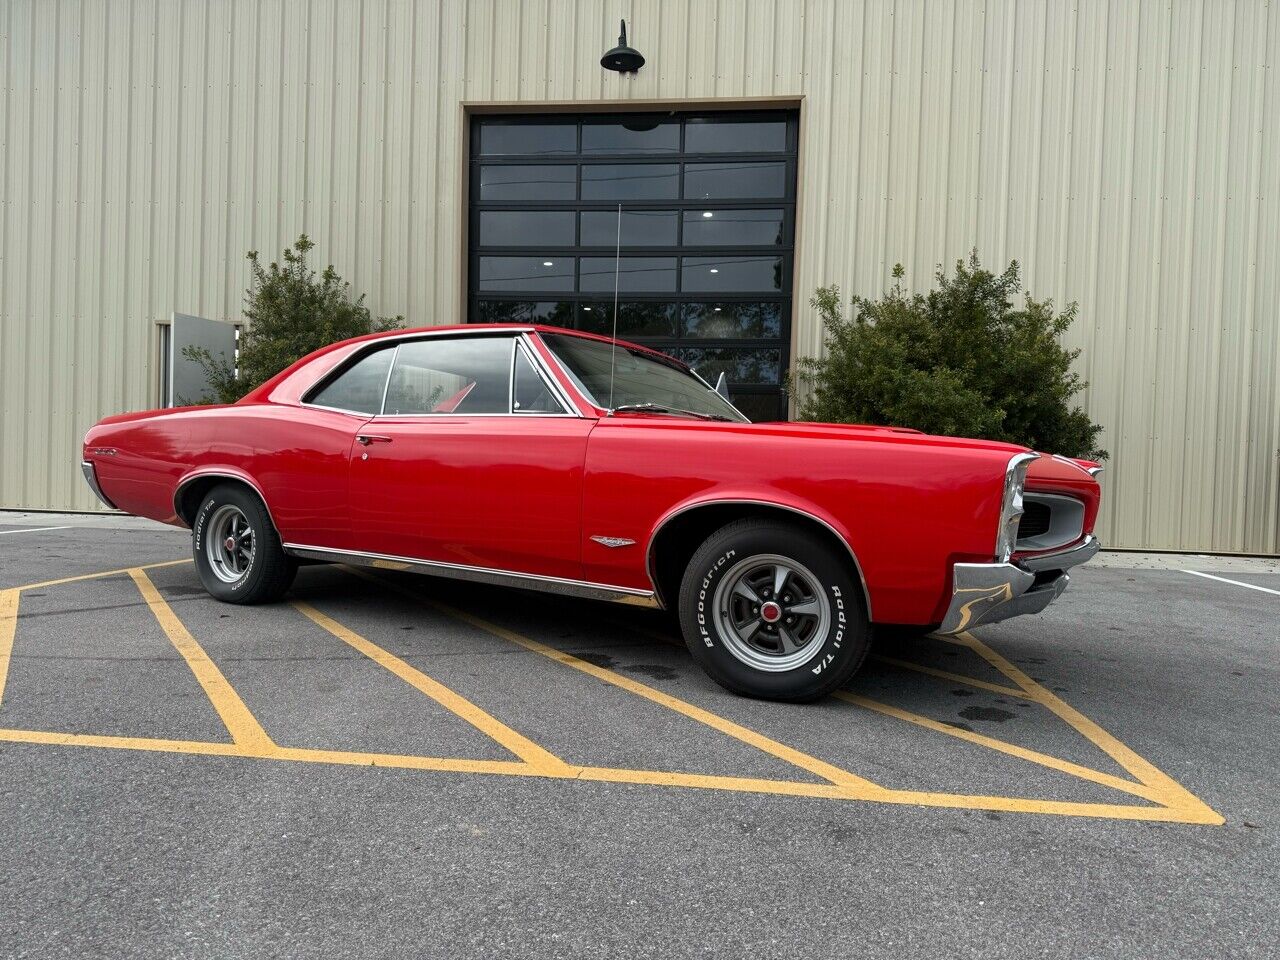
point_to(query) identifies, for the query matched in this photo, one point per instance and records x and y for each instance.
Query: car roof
(541, 328)
(266, 389)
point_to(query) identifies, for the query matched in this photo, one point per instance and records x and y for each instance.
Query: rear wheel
(236, 549)
(770, 610)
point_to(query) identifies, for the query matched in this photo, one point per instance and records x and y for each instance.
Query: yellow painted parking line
(8, 628)
(240, 723)
(1061, 808)
(199, 747)
(100, 574)
(1013, 750)
(655, 778)
(455, 703)
(1172, 794)
(1174, 804)
(954, 677)
(863, 787)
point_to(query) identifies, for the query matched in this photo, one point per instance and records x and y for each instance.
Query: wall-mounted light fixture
(622, 58)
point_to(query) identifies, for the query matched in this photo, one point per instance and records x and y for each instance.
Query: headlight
(1015, 479)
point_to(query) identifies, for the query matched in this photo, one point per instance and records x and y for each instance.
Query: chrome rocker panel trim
(989, 592)
(91, 478)
(489, 575)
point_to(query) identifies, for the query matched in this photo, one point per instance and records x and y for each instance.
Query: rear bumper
(91, 478)
(989, 592)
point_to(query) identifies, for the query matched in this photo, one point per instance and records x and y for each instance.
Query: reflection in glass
(640, 228)
(451, 376)
(558, 313)
(513, 139)
(732, 228)
(635, 274)
(529, 394)
(631, 181)
(733, 181)
(759, 407)
(359, 387)
(635, 318)
(725, 321)
(529, 182)
(638, 135)
(728, 135)
(736, 274)
(526, 273)
(526, 228)
(740, 365)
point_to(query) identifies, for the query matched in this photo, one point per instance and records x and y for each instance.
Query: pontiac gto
(550, 459)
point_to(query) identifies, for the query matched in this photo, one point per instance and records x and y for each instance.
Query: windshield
(640, 381)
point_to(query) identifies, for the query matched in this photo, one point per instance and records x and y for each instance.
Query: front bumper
(989, 592)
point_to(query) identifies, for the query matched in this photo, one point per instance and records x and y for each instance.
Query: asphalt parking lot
(393, 765)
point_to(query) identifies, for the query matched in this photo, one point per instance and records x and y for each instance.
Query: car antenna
(613, 352)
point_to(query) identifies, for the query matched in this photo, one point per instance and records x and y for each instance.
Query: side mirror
(722, 385)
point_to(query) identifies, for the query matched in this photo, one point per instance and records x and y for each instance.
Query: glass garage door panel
(732, 274)
(526, 228)
(631, 181)
(526, 273)
(555, 312)
(611, 137)
(735, 181)
(538, 139)
(633, 274)
(706, 234)
(640, 228)
(528, 183)
(733, 228)
(731, 135)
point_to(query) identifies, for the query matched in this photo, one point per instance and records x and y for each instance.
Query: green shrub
(290, 312)
(960, 360)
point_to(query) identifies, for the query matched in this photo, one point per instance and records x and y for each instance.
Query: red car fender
(227, 471)
(797, 505)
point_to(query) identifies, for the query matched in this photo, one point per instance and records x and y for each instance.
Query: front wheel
(236, 549)
(771, 610)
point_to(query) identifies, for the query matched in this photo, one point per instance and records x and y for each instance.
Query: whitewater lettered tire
(236, 549)
(772, 610)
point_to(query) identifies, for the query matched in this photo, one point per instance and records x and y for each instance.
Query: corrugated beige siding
(1126, 153)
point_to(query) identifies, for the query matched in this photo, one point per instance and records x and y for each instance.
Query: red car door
(475, 461)
(304, 453)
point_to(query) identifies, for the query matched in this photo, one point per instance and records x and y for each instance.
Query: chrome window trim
(351, 413)
(489, 575)
(519, 341)
(397, 339)
(586, 394)
(866, 593)
(540, 368)
(511, 377)
(386, 384)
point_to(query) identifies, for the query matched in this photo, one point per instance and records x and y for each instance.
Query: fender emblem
(613, 541)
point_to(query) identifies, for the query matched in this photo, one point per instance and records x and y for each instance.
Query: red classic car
(550, 459)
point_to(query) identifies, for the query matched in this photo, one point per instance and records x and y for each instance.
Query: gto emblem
(613, 541)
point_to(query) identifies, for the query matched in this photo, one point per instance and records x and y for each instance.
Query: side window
(442, 376)
(359, 387)
(530, 393)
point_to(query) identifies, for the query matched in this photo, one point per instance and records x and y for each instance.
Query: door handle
(364, 439)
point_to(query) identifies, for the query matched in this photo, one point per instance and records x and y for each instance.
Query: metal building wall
(1125, 152)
